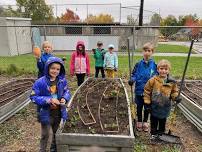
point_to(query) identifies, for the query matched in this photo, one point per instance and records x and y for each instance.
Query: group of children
(50, 91)
(154, 88)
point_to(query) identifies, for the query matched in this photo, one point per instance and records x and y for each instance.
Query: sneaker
(154, 137)
(139, 126)
(146, 126)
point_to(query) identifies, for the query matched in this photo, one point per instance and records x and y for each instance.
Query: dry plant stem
(192, 91)
(13, 95)
(99, 115)
(80, 115)
(23, 86)
(117, 122)
(15, 89)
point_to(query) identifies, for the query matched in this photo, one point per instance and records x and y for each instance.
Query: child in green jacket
(99, 59)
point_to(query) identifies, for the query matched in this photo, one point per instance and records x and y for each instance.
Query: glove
(148, 108)
(130, 82)
(178, 100)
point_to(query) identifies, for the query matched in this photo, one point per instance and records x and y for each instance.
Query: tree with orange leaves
(69, 16)
(194, 31)
(101, 18)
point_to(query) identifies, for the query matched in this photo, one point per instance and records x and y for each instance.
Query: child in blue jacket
(142, 72)
(41, 61)
(51, 93)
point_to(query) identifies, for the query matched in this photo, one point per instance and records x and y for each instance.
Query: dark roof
(77, 23)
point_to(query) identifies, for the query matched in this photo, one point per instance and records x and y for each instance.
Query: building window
(102, 30)
(73, 30)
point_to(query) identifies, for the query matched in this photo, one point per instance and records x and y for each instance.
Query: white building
(15, 40)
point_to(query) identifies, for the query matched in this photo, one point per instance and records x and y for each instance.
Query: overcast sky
(164, 7)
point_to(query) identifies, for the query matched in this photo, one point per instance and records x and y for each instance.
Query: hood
(170, 80)
(80, 43)
(55, 60)
(149, 61)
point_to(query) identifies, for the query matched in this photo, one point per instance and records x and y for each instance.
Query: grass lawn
(26, 64)
(167, 48)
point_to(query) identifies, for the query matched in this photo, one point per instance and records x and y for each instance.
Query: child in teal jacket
(99, 59)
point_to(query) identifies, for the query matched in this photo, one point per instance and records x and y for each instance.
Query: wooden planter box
(79, 142)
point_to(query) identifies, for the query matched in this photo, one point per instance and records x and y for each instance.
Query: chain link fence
(82, 13)
(18, 37)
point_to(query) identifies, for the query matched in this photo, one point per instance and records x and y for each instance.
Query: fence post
(120, 14)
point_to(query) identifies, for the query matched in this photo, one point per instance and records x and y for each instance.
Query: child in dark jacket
(41, 61)
(51, 93)
(80, 63)
(158, 93)
(142, 72)
(99, 59)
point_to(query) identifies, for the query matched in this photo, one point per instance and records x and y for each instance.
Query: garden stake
(131, 89)
(181, 85)
(94, 121)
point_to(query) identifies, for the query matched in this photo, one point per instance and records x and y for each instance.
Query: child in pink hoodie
(80, 63)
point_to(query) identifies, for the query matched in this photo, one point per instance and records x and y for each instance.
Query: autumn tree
(183, 19)
(101, 18)
(8, 12)
(35, 9)
(69, 16)
(190, 21)
(170, 20)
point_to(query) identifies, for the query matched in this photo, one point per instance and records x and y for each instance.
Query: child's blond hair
(48, 43)
(148, 45)
(164, 63)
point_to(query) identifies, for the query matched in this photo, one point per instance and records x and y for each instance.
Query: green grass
(26, 64)
(167, 48)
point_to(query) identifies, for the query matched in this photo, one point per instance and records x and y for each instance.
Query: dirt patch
(21, 133)
(193, 91)
(99, 107)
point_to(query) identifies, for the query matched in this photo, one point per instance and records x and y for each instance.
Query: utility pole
(87, 12)
(141, 13)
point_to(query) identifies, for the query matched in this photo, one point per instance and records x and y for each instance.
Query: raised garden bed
(193, 90)
(14, 95)
(191, 104)
(10, 90)
(100, 116)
